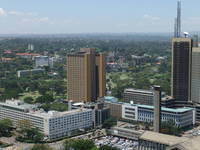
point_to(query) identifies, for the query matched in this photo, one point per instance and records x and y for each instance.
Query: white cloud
(37, 20)
(19, 13)
(149, 17)
(2, 12)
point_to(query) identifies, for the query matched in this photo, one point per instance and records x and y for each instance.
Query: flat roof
(55, 114)
(183, 109)
(22, 106)
(191, 144)
(138, 90)
(162, 138)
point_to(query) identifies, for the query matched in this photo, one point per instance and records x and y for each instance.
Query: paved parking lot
(120, 143)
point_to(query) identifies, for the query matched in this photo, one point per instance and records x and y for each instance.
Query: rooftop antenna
(186, 34)
(177, 25)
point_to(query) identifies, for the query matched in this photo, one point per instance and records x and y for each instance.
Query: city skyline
(95, 16)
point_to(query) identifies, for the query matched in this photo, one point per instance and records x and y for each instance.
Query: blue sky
(88, 16)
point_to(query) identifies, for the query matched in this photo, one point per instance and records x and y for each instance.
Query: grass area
(55, 106)
(34, 95)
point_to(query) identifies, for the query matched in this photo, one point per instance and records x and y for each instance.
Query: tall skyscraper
(177, 24)
(195, 78)
(86, 75)
(181, 69)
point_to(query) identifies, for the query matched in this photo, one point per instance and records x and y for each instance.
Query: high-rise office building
(181, 69)
(195, 77)
(86, 75)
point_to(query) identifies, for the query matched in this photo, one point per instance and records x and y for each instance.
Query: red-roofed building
(27, 55)
(7, 52)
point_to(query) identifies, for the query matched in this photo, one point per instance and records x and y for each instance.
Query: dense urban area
(109, 91)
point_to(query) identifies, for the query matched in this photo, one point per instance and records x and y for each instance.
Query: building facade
(195, 78)
(182, 117)
(181, 69)
(86, 75)
(41, 61)
(138, 96)
(27, 73)
(53, 124)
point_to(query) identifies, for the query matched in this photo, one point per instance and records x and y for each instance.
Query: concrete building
(102, 113)
(157, 108)
(138, 96)
(86, 75)
(195, 41)
(27, 73)
(53, 124)
(41, 61)
(157, 141)
(181, 69)
(182, 117)
(126, 130)
(195, 77)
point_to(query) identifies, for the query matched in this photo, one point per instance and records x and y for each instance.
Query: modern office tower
(157, 108)
(86, 75)
(195, 77)
(138, 96)
(181, 69)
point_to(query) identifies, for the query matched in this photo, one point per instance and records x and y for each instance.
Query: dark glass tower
(181, 69)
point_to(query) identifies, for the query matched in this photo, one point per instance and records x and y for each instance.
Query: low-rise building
(182, 117)
(126, 130)
(156, 141)
(53, 124)
(26, 73)
(115, 107)
(41, 61)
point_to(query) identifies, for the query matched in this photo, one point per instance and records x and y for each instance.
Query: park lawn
(34, 95)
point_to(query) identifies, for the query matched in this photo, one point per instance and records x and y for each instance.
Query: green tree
(169, 127)
(29, 100)
(79, 144)
(41, 147)
(106, 147)
(32, 135)
(45, 99)
(5, 127)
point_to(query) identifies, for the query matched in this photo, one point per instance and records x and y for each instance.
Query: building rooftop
(18, 104)
(27, 54)
(175, 110)
(162, 138)
(191, 144)
(178, 110)
(138, 90)
(55, 114)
